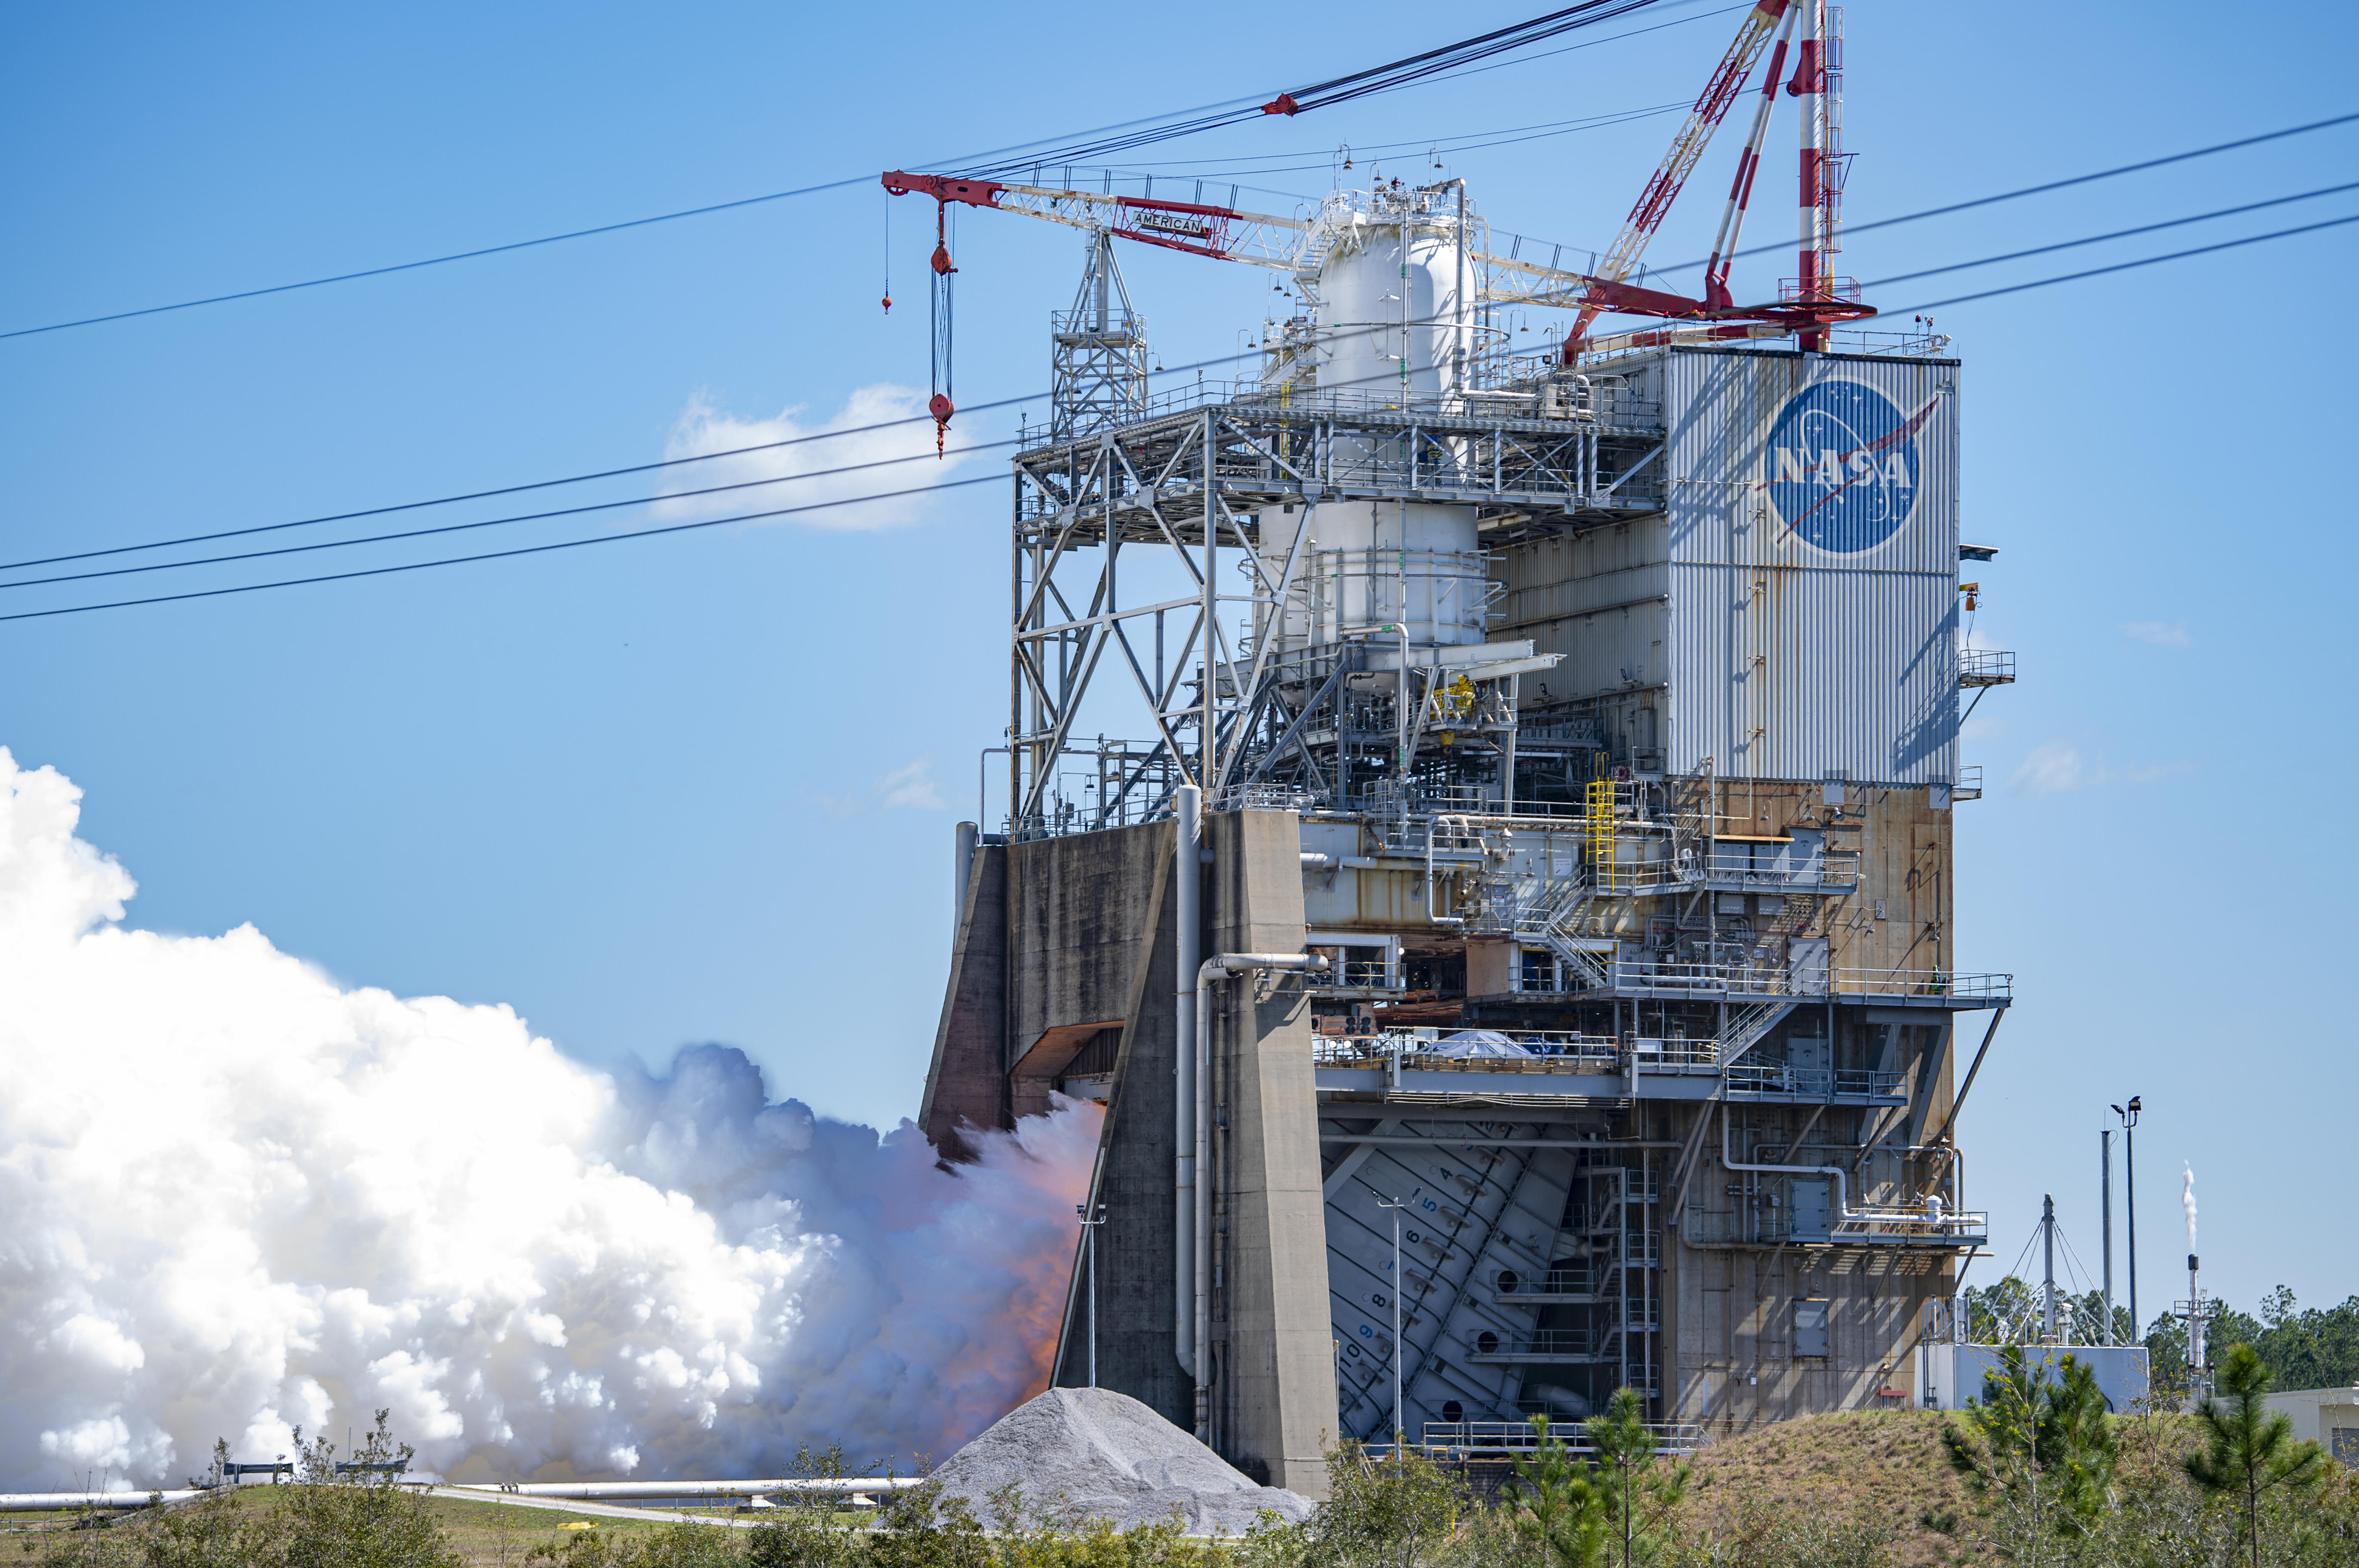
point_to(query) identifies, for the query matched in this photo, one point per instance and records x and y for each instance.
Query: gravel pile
(1106, 1455)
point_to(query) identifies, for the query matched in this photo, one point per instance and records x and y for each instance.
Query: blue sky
(701, 789)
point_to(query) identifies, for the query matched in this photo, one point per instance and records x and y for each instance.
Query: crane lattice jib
(1221, 233)
(1711, 107)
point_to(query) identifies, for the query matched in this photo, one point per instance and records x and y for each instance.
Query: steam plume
(2187, 1202)
(234, 1197)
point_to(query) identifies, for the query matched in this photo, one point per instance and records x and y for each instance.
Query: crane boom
(1711, 106)
(1221, 233)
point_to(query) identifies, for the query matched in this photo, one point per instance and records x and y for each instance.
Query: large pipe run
(1843, 1204)
(1187, 881)
(835, 1485)
(826, 1487)
(1224, 965)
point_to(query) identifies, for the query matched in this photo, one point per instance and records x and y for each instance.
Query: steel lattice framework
(1186, 482)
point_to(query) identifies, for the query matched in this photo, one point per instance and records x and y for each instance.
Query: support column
(1272, 1357)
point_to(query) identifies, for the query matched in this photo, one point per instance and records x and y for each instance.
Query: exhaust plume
(2187, 1202)
(235, 1197)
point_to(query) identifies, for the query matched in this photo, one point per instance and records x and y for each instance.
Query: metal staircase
(1749, 1027)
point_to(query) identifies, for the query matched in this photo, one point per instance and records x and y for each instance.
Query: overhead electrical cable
(492, 522)
(509, 555)
(1197, 118)
(2115, 235)
(1464, 142)
(1336, 90)
(2120, 266)
(1227, 112)
(2041, 190)
(915, 419)
(857, 500)
(839, 433)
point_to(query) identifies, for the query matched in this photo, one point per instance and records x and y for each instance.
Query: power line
(1140, 131)
(1386, 77)
(569, 479)
(433, 261)
(2117, 235)
(2017, 195)
(952, 484)
(484, 521)
(2122, 266)
(506, 555)
(544, 484)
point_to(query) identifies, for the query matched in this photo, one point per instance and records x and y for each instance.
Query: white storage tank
(1383, 563)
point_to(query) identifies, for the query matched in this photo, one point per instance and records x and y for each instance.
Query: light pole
(2129, 1115)
(1089, 1263)
(2105, 1187)
(1400, 1430)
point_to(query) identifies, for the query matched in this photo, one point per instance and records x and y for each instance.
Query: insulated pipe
(1188, 878)
(831, 1486)
(69, 1502)
(1220, 966)
(1843, 1204)
(962, 872)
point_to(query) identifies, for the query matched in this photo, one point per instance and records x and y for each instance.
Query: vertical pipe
(1400, 1416)
(1206, 752)
(1201, 1220)
(2196, 1364)
(961, 872)
(2048, 1244)
(1507, 774)
(1093, 1302)
(2106, 1186)
(1458, 297)
(1400, 703)
(2129, 1208)
(1187, 874)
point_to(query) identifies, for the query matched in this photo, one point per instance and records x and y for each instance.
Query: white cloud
(2161, 634)
(2057, 767)
(277, 1201)
(2053, 767)
(904, 446)
(913, 787)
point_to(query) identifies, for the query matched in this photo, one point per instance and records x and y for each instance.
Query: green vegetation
(2040, 1454)
(2251, 1451)
(2037, 1475)
(2318, 1348)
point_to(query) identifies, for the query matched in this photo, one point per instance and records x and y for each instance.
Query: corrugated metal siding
(1826, 640)
(1599, 599)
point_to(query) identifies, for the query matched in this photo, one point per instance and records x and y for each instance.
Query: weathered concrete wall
(965, 1084)
(1275, 1368)
(1077, 917)
(1135, 1180)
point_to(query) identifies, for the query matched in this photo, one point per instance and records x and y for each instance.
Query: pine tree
(2251, 1450)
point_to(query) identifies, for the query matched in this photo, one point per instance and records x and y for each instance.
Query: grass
(1885, 1465)
(487, 1534)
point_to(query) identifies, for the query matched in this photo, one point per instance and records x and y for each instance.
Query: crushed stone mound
(1106, 1455)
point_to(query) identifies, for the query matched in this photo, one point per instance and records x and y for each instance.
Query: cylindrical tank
(1391, 290)
(1377, 563)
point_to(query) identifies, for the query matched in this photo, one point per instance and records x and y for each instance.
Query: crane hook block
(941, 408)
(943, 261)
(889, 304)
(1283, 103)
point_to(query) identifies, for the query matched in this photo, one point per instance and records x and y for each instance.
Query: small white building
(1947, 1376)
(2327, 1417)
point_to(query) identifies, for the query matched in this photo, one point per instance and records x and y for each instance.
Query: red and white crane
(1807, 306)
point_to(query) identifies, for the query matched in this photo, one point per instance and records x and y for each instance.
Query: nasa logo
(1842, 466)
